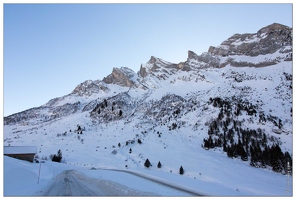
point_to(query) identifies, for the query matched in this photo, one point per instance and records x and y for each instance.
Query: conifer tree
(58, 157)
(105, 102)
(159, 165)
(211, 143)
(181, 171)
(224, 147)
(147, 163)
(230, 151)
(244, 155)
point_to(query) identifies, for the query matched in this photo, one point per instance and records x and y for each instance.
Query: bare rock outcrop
(266, 41)
(120, 76)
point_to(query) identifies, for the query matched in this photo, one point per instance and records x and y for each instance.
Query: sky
(48, 49)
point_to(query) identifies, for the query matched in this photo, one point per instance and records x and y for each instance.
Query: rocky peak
(273, 27)
(152, 60)
(121, 76)
(266, 41)
(192, 55)
(143, 72)
(89, 87)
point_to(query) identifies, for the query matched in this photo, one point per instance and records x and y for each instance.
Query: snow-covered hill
(201, 114)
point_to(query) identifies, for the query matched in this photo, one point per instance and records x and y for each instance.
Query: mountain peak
(192, 55)
(273, 27)
(152, 60)
(120, 76)
(89, 87)
(266, 41)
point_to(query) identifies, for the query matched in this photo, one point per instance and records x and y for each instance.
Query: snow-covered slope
(237, 95)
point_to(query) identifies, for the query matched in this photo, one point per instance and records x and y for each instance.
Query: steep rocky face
(121, 76)
(142, 73)
(266, 41)
(161, 69)
(205, 60)
(273, 43)
(90, 87)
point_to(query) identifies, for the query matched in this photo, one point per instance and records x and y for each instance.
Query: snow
(249, 39)
(206, 172)
(259, 58)
(21, 178)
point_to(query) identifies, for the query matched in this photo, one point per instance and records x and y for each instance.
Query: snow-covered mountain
(234, 101)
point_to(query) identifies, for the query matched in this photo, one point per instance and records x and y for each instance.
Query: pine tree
(244, 155)
(60, 153)
(58, 157)
(276, 158)
(280, 124)
(181, 171)
(264, 139)
(206, 144)
(211, 143)
(224, 147)
(159, 165)
(230, 151)
(266, 155)
(147, 163)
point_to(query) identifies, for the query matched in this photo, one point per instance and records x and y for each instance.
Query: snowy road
(72, 183)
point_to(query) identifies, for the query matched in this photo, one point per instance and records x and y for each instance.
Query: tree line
(247, 144)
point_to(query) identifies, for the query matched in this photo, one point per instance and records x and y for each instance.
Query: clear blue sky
(50, 48)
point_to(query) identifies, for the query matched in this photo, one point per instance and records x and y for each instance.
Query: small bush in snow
(114, 152)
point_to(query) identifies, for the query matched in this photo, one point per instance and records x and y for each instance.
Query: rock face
(142, 72)
(90, 87)
(266, 41)
(120, 76)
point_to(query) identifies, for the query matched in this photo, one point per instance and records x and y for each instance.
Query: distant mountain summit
(121, 76)
(266, 41)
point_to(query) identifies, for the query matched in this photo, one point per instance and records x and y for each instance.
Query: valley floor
(21, 179)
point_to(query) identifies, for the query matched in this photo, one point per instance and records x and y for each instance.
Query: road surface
(72, 183)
